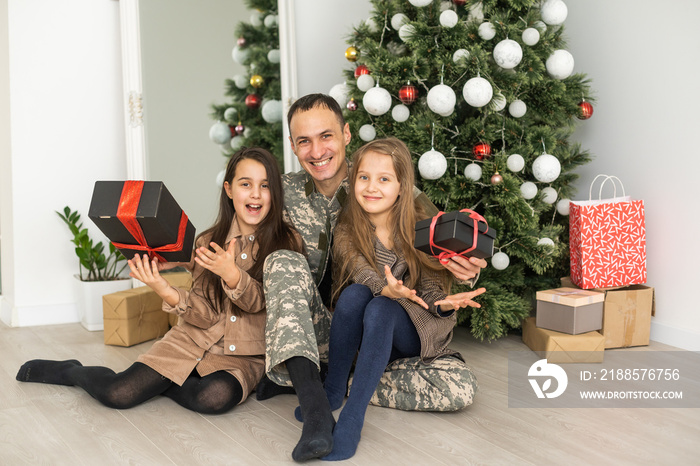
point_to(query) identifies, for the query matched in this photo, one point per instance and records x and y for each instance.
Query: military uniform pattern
(298, 324)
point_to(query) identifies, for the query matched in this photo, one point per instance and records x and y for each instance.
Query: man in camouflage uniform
(298, 319)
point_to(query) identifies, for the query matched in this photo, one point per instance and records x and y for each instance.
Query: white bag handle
(610, 178)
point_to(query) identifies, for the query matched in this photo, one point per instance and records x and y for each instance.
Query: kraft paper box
(627, 314)
(563, 348)
(142, 217)
(178, 280)
(570, 310)
(454, 231)
(133, 316)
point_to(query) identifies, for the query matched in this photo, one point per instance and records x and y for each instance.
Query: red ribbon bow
(446, 255)
(126, 213)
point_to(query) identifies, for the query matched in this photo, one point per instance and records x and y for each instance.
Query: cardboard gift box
(563, 348)
(178, 280)
(133, 316)
(142, 217)
(570, 310)
(627, 314)
(459, 232)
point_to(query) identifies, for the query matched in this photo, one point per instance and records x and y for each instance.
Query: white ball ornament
(240, 81)
(545, 242)
(398, 20)
(272, 111)
(400, 113)
(473, 171)
(406, 32)
(476, 12)
(340, 93)
(240, 55)
(448, 18)
(560, 64)
(220, 178)
(554, 12)
(477, 92)
(377, 101)
(507, 54)
(515, 162)
(269, 21)
(371, 25)
(540, 26)
(367, 133)
(487, 31)
(420, 3)
(531, 36)
(220, 133)
(256, 19)
(563, 206)
(273, 56)
(546, 168)
(500, 261)
(460, 56)
(528, 190)
(246, 132)
(549, 195)
(236, 143)
(441, 99)
(365, 82)
(498, 102)
(230, 114)
(517, 108)
(432, 165)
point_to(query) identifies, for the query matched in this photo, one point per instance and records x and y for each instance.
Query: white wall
(66, 132)
(66, 129)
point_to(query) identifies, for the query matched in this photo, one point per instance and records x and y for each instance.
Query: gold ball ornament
(496, 178)
(351, 53)
(256, 81)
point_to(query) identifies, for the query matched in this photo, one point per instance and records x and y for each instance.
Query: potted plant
(100, 273)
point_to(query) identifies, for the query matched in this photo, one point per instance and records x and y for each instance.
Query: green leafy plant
(94, 264)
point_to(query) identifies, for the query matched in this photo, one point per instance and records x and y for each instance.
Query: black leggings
(215, 393)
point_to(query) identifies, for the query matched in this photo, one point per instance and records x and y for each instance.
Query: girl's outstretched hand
(459, 300)
(147, 271)
(220, 261)
(395, 289)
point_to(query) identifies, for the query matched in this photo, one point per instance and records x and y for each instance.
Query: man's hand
(395, 289)
(459, 300)
(463, 268)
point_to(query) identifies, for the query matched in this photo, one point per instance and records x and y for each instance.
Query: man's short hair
(310, 101)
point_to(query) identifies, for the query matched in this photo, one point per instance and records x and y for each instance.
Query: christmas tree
(253, 114)
(484, 94)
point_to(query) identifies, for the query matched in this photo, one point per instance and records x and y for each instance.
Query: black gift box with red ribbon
(142, 217)
(463, 232)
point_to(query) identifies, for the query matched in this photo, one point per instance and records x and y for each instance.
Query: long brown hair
(404, 214)
(272, 233)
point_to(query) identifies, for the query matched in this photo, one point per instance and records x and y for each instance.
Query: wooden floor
(57, 425)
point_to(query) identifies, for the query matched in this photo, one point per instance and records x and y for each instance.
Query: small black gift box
(142, 217)
(454, 231)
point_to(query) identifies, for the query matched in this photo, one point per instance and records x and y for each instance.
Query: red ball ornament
(585, 110)
(233, 130)
(253, 101)
(408, 94)
(496, 178)
(360, 70)
(241, 41)
(352, 105)
(481, 151)
(239, 128)
(459, 2)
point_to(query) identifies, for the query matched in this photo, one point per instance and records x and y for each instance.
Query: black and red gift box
(142, 217)
(463, 232)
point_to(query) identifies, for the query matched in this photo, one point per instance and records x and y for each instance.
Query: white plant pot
(89, 300)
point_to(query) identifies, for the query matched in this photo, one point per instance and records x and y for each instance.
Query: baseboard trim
(675, 337)
(30, 316)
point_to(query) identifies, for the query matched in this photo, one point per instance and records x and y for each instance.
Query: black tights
(215, 393)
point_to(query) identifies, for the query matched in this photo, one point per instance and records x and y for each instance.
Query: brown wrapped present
(133, 316)
(178, 280)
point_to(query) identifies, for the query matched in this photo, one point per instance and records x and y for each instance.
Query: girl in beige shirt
(214, 357)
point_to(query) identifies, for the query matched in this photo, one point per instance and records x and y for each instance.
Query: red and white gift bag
(607, 240)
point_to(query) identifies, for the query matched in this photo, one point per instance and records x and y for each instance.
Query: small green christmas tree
(253, 114)
(484, 95)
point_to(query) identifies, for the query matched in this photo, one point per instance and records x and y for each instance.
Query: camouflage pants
(298, 324)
